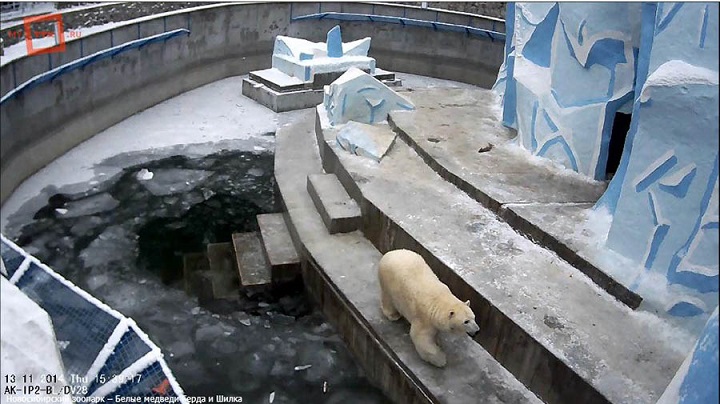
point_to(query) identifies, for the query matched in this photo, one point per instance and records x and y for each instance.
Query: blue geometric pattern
(570, 67)
(672, 161)
(566, 62)
(11, 258)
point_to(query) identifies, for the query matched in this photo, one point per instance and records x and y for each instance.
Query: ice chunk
(114, 244)
(144, 175)
(90, 205)
(175, 180)
(366, 140)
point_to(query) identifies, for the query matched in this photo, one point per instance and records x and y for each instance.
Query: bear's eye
(466, 322)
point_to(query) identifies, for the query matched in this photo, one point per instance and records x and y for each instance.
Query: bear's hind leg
(424, 340)
(387, 307)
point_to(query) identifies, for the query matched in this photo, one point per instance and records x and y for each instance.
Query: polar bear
(410, 289)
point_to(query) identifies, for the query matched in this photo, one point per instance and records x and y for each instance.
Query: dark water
(123, 240)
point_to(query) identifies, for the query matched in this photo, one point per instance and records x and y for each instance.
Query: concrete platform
(340, 272)
(252, 267)
(282, 94)
(340, 213)
(552, 327)
(457, 133)
(278, 247)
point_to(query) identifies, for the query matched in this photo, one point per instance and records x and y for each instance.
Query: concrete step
(253, 269)
(280, 253)
(222, 274)
(342, 278)
(339, 212)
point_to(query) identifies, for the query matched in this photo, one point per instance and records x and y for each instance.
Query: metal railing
(435, 25)
(95, 57)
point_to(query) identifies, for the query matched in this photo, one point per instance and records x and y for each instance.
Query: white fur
(410, 289)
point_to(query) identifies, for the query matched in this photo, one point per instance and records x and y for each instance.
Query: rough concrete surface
(348, 263)
(615, 354)
(453, 125)
(254, 271)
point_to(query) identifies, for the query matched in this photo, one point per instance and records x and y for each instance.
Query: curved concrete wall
(46, 121)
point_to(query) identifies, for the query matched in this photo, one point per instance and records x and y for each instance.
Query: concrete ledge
(339, 212)
(281, 101)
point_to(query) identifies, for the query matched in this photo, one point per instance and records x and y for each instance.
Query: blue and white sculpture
(303, 59)
(357, 96)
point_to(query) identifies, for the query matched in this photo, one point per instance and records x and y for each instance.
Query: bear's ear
(452, 313)
(467, 303)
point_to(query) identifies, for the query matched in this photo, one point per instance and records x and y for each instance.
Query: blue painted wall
(569, 68)
(665, 195)
(697, 380)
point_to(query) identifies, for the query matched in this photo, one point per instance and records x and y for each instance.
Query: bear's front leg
(424, 339)
(387, 306)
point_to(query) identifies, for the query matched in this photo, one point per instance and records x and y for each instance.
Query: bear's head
(461, 319)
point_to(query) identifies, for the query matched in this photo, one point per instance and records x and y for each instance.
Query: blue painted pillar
(696, 382)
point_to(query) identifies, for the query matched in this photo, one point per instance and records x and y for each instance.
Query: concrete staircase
(252, 261)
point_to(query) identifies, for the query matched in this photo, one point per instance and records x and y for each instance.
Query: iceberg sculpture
(304, 59)
(357, 96)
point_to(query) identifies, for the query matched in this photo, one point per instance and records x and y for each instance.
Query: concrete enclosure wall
(42, 123)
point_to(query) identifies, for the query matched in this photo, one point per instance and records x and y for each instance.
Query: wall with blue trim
(569, 67)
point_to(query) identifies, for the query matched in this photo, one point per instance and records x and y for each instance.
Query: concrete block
(340, 213)
(253, 269)
(278, 247)
(357, 96)
(223, 275)
(366, 140)
(193, 263)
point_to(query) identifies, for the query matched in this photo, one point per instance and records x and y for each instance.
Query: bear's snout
(471, 328)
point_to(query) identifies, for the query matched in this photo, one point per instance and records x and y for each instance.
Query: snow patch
(678, 73)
